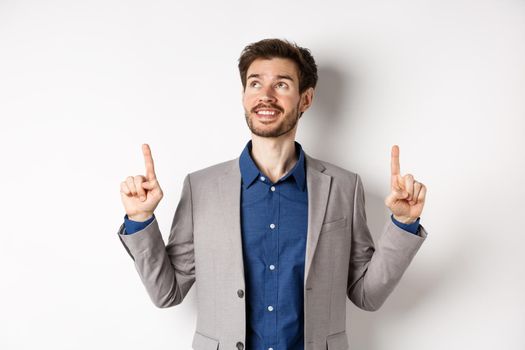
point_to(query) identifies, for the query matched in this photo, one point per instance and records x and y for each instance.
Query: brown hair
(270, 48)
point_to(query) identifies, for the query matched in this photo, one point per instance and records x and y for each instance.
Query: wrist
(140, 217)
(405, 219)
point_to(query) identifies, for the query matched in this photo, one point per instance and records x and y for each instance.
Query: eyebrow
(280, 76)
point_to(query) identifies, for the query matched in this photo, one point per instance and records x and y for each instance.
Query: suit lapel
(230, 196)
(318, 185)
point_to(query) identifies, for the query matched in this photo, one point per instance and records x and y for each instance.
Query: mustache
(272, 106)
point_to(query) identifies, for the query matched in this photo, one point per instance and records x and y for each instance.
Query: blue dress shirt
(274, 220)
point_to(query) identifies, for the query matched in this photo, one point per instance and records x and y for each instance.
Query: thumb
(149, 185)
(394, 196)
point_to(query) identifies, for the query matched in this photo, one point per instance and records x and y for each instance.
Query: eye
(254, 83)
(281, 85)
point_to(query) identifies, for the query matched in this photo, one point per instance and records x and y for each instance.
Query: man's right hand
(141, 194)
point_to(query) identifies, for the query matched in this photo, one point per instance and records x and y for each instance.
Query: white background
(84, 83)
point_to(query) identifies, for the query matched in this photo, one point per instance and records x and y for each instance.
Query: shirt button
(272, 188)
(270, 308)
(272, 267)
(239, 345)
(272, 226)
(262, 178)
(240, 293)
(270, 348)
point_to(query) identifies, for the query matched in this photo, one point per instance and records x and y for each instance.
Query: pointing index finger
(394, 164)
(148, 160)
(395, 167)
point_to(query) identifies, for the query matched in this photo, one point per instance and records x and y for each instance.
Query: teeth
(266, 112)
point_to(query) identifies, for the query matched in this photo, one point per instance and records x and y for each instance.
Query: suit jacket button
(240, 293)
(240, 345)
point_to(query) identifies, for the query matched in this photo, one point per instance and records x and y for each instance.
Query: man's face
(271, 99)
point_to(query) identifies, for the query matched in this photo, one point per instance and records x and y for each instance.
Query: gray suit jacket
(204, 247)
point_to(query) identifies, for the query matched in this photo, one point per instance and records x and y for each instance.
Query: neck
(274, 156)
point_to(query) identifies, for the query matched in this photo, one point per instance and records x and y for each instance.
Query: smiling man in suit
(274, 240)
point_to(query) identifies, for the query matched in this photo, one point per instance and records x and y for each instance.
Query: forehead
(272, 68)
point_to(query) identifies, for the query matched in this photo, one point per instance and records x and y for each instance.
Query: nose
(267, 95)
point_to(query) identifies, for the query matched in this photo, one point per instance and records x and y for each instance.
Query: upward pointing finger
(395, 167)
(394, 164)
(148, 160)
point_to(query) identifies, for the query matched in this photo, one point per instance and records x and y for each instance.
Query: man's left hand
(407, 196)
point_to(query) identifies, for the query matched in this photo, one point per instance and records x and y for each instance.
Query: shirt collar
(249, 171)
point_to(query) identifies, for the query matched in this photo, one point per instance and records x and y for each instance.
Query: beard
(281, 127)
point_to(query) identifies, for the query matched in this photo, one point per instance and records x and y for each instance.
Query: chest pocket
(333, 225)
(337, 341)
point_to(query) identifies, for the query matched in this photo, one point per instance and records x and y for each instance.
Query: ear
(307, 98)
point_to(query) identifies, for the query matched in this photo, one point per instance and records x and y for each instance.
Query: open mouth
(265, 113)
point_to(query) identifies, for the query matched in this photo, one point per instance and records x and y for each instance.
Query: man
(275, 240)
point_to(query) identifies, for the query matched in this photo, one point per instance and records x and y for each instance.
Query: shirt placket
(271, 269)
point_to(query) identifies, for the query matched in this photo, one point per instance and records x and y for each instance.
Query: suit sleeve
(167, 271)
(374, 271)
